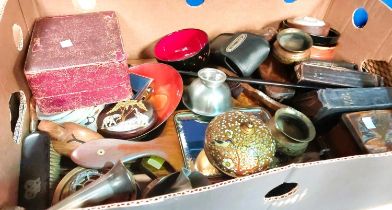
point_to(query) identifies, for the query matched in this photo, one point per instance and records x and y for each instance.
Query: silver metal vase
(208, 95)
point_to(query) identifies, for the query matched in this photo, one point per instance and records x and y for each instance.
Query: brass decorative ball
(239, 144)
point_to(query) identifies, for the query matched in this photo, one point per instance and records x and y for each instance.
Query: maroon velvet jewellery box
(77, 61)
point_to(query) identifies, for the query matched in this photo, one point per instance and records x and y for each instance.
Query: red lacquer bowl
(166, 87)
(186, 49)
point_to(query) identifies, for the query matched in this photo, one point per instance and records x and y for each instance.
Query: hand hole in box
(289, 1)
(360, 17)
(387, 3)
(17, 107)
(282, 191)
(194, 3)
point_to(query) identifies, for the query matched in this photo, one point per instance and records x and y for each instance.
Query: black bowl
(325, 41)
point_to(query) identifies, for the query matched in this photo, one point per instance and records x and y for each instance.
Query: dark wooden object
(372, 130)
(341, 142)
(329, 76)
(67, 136)
(326, 103)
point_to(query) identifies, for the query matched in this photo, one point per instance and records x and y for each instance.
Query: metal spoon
(255, 81)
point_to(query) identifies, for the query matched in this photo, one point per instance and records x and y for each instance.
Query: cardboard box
(358, 182)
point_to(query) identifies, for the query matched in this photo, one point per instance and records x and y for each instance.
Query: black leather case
(240, 52)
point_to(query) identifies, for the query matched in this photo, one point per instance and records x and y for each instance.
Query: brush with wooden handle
(67, 136)
(98, 154)
(39, 167)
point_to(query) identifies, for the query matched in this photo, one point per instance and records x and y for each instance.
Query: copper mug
(322, 53)
(292, 131)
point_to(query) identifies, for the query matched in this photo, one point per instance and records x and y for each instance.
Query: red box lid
(74, 40)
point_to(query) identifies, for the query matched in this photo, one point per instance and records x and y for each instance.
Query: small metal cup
(208, 95)
(294, 40)
(292, 45)
(292, 131)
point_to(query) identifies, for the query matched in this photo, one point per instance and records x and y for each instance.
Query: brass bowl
(290, 148)
(294, 40)
(292, 131)
(287, 57)
(292, 45)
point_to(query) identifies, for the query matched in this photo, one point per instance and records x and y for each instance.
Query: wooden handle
(53, 129)
(100, 153)
(255, 94)
(67, 136)
(33, 115)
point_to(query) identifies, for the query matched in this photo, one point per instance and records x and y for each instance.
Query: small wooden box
(77, 61)
(372, 130)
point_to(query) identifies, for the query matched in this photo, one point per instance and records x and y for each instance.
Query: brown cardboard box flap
(344, 183)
